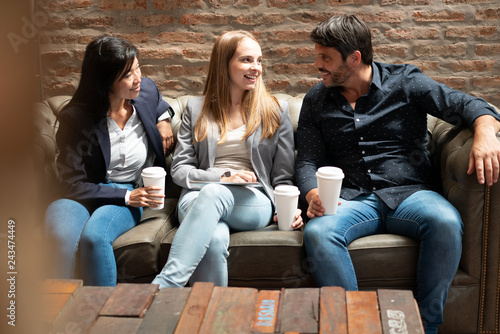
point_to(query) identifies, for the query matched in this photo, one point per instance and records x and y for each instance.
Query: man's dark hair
(345, 33)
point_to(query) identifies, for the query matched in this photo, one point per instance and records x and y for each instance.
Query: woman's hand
(240, 177)
(145, 197)
(167, 137)
(297, 220)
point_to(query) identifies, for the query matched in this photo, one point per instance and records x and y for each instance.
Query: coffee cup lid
(286, 190)
(330, 172)
(153, 171)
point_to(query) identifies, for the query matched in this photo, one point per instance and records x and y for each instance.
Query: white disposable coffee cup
(287, 199)
(329, 185)
(155, 176)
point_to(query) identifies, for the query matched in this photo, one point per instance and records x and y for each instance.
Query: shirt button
(369, 171)
(374, 188)
(361, 138)
(357, 119)
(362, 152)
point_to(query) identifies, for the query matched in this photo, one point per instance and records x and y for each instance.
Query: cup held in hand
(287, 198)
(155, 176)
(329, 185)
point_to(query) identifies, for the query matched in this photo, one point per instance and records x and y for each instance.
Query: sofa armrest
(478, 206)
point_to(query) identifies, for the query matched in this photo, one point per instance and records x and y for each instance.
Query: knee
(314, 231)
(63, 218)
(220, 242)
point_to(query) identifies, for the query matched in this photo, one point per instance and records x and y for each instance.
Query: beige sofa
(272, 259)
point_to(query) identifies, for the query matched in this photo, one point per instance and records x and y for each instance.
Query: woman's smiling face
(245, 65)
(129, 87)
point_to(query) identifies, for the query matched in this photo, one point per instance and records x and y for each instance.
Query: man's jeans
(425, 216)
(200, 248)
(85, 238)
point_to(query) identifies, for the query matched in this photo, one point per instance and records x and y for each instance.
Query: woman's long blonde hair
(259, 107)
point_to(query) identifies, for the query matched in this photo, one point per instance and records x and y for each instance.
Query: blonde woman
(235, 133)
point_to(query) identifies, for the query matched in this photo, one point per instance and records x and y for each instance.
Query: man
(369, 119)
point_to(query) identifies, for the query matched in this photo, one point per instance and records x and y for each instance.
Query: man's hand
(167, 137)
(315, 208)
(485, 152)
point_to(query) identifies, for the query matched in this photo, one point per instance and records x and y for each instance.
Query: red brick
(65, 71)
(467, 2)
(472, 65)
(391, 50)
(140, 37)
(62, 88)
(150, 70)
(294, 69)
(406, 2)
(56, 24)
(148, 53)
(56, 56)
(180, 70)
(122, 4)
(176, 4)
(225, 3)
(443, 16)
(413, 33)
(395, 16)
(182, 37)
(486, 81)
(311, 17)
(458, 49)
(286, 3)
(91, 22)
(277, 86)
(197, 54)
(308, 83)
(211, 19)
(166, 85)
(469, 31)
(487, 49)
(488, 14)
(274, 53)
(424, 65)
(458, 83)
(306, 52)
(289, 35)
(260, 19)
(63, 5)
(348, 2)
(150, 20)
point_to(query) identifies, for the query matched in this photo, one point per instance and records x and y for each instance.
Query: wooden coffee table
(71, 307)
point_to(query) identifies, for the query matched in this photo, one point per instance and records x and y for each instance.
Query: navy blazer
(84, 148)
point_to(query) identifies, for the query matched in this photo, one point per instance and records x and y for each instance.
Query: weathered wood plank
(300, 312)
(111, 325)
(266, 311)
(130, 300)
(399, 312)
(81, 311)
(332, 310)
(230, 310)
(363, 313)
(165, 311)
(195, 308)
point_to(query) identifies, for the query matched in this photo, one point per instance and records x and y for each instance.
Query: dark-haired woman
(115, 125)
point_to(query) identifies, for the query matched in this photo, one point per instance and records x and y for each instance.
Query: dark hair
(107, 59)
(345, 33)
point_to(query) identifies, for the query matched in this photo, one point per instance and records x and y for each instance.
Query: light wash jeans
(425, 216)
(85, 238)
(200, 247)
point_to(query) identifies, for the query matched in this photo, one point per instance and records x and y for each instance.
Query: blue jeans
(425, 216)
(84, 238)
(200, 247)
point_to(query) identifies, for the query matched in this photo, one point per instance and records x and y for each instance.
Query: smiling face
(245, 66)
(334, 70)
(129, 86)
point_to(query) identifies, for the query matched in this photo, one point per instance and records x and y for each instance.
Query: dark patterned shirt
(381, 144)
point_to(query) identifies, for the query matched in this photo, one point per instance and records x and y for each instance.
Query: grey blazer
(272, 159)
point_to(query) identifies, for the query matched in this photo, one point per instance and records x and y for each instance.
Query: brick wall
(456, 42)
